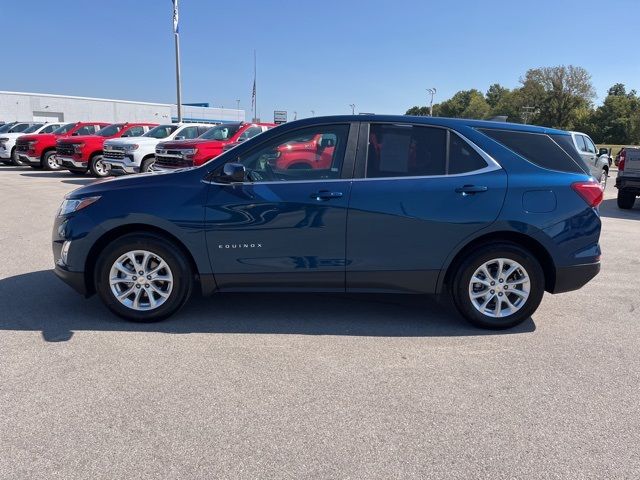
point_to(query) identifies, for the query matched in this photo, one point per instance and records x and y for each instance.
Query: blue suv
(494, 214)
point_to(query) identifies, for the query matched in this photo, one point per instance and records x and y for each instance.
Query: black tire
(146, 164)
(474, 260)
(98, 168)
(15, 160)
(626, 200)
(170, 253)
(47, 161)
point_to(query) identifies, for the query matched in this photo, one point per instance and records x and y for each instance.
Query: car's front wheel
(98, 168)
(146, 165)
(143, 277)
(498, 286)
(49, 161)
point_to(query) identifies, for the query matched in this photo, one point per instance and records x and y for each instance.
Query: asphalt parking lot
(310, 386)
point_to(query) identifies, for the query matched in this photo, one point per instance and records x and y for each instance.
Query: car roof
(440, 121)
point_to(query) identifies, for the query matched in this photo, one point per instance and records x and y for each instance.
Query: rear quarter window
(555, 152)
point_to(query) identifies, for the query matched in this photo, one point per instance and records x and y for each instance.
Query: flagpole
(176, 35)
(255, 90)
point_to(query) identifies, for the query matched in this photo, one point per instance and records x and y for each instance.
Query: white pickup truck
(8, 138)
(137, 154)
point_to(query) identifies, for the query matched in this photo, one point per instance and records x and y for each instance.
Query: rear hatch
(632, 162)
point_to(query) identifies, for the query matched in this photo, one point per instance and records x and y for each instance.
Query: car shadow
(65, 176)
(59, 312)
(609, 208)
(15, 168)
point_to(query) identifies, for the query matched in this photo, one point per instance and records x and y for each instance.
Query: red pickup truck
(191, 153)
(306, 152)
(79, 154)
(38, 150)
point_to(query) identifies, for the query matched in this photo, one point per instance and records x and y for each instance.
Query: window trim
(348, 162)
(363, 151)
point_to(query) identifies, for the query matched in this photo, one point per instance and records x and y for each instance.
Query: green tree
(465, 104)
(495, 94)
(418, 111)
(558, 94)
(617, 120)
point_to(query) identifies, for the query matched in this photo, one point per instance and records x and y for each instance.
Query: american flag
(176, 28)
(253, 94)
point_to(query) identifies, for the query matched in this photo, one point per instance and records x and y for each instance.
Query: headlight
(31, 145)
(133, 146)
(78, 147)
(189, 152)
(73, 205)
(2, 140)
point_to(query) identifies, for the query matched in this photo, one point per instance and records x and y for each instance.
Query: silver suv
(597, 161)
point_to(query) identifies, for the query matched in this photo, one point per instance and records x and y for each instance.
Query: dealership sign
(279, 116)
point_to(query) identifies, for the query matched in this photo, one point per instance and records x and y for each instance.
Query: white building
(44, 107)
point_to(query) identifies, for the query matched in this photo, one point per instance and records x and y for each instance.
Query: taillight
(591, 192)
(621, 163)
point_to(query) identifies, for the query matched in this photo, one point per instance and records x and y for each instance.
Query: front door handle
(325, 195)
(471, 189)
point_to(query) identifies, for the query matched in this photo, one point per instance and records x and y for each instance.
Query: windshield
(64, 129)
(110, 130)
(221, 132)
(161, 131)
(33, 128)
(6, 127)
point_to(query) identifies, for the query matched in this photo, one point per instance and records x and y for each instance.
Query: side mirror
(603, 151)
(232, 173)
(179, 137)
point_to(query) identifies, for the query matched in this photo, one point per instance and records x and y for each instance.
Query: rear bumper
(628, 183)
(574, 277)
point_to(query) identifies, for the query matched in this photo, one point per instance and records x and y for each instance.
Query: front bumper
(69, 162)
(33, 161)
(5, 153)
(574, 277)
(122, 166)
(74, 279)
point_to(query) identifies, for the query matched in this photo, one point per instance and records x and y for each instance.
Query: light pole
(238, 108)
(431, 91)
(176, 35)
(353, 108)
(295, 115)
(313, 113)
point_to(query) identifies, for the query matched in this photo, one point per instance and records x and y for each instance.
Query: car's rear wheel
(146, 164)
(626, 200)
(49, 161)
(498, 286)
(143, 277)
(604, 175)
(98, 168)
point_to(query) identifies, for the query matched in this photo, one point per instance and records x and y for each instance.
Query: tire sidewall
(146, 165)
(45, 161)
(92, 166)
(180, 268)
(460, 287)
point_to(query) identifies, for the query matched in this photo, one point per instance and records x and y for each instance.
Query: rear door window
(462, 157)
(189, 132)
(540, 149)
(591, 148)
(136, 131)
(580, 143)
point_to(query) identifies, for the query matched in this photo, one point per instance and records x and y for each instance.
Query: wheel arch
(538, 250)
(113, 234)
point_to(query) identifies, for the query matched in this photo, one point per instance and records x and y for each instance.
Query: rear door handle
(471, 189)
(326, 195)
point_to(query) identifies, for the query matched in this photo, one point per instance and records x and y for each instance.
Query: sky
(324, 55)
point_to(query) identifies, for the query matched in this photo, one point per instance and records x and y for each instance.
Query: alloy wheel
(499, 288)
(141, 280)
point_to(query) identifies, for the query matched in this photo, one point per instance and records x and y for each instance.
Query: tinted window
(580, 143)
(6, 127)
(50, 128)
(591, 148)
(85, 130)
(20, 127)
(287, 159)
(202, 129)
(134, 132)
(404, 151)
(64, 129)
(248, 133)
(540, 149)
(33, 128)
(161, 131)
(221, 132)
(189, 132)
(110, 130)
(463, 158)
